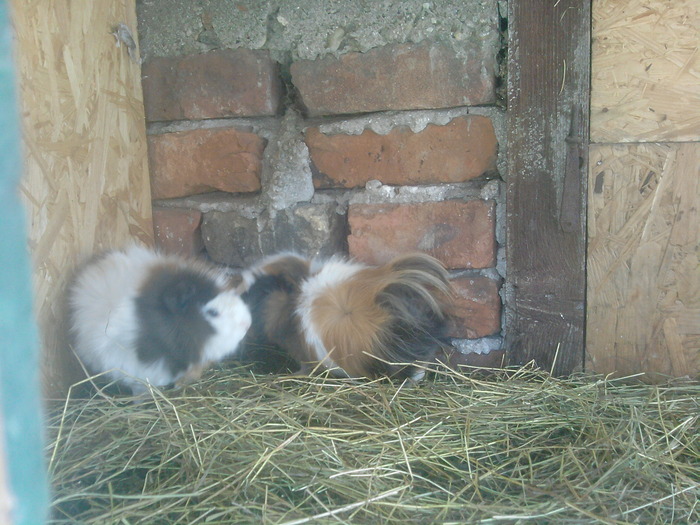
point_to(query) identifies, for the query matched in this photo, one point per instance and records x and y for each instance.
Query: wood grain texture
(643, 260)
(86, 183)
(646, 71)
(548, 79)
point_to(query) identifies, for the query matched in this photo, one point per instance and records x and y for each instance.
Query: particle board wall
(643, 298)
(645, 71)
(643, 270)
(86, 182)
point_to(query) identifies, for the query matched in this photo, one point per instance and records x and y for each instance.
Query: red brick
(178, 230)
(477, 307)
(463, 149)
(460, 234)
(221, 83)
(204, 160)
(393, 77)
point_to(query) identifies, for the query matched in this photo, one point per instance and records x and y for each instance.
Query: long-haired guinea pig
(274, 343)
(361, 321)
(142, 316)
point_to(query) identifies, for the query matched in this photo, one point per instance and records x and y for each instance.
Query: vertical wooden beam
(548, 107)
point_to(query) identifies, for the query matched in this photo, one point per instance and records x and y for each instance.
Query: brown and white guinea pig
(359, 320)
(140, 316)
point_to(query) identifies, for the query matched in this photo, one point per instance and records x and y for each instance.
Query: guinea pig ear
(177, 298)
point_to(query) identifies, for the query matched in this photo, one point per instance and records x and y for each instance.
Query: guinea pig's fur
(372, 321)
(140, 316)
(359, 320)
(274, 343)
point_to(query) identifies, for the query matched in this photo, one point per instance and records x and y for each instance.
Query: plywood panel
(645, 71)
(86, 182)
(643, 269)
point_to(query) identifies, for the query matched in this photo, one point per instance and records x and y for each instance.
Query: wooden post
(548, 106)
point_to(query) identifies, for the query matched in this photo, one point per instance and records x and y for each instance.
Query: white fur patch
(230, 318)
(104, 316)
(326, 276)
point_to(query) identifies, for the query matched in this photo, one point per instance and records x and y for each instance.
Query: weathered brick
(221, 83)
(231, 238)
(461, 150)
(178, 230)
(397, 76)
(472, 361)
(203, 160)
(235, 239)
(477, 307)
(460, 234)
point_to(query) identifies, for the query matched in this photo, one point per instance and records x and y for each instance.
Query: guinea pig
(274, 343)
(376, 321)
(140, 316)
(355, 319)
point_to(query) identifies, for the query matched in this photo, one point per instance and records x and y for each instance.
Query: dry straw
(512, 447)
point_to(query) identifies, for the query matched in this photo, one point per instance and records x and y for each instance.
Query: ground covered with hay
(513, 447)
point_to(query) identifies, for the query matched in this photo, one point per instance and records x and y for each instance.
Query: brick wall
(395, 149)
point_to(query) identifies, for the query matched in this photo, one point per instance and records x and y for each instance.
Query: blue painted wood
(19, 348)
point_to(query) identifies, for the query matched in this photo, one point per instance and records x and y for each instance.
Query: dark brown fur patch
(293, 270)
(170, 322)
(282, 326)
(274, 342)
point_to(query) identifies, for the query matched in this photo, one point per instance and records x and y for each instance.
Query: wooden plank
(643, 268)
(548, 100)
(86, 183)
(646, 71)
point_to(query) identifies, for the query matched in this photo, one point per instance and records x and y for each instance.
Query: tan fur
(349, 321)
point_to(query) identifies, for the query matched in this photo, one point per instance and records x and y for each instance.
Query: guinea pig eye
(212, 312)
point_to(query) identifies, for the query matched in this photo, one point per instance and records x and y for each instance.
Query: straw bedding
(511, 447)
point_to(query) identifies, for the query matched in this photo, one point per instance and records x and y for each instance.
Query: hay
(515, 447)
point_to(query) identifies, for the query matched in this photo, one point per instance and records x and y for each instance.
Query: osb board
(86, 182)
(643, 269)
(645, 71)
